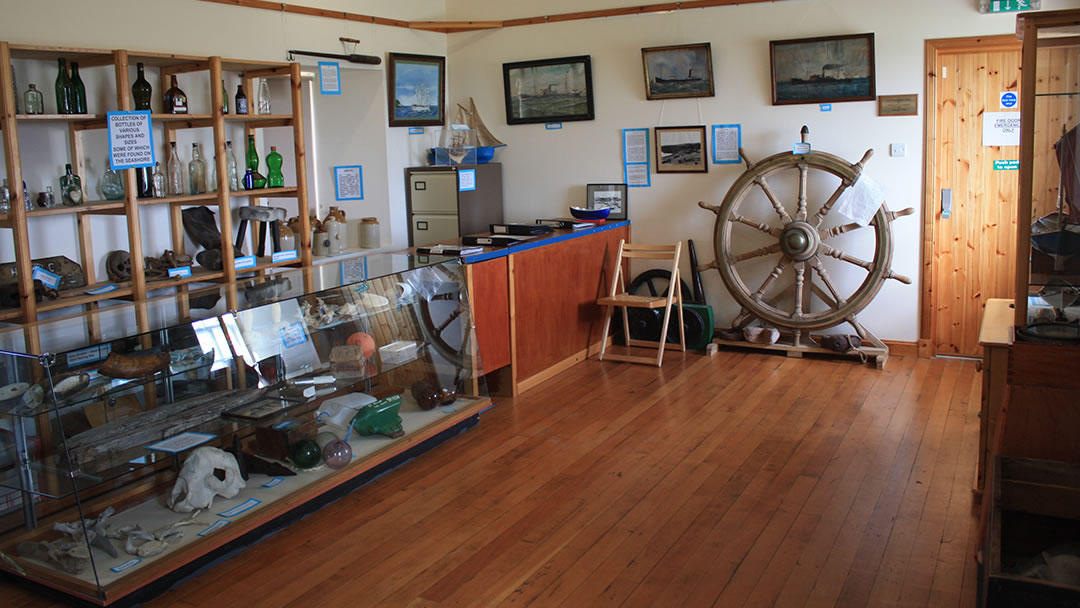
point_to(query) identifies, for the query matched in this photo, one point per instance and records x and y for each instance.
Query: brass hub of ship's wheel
(790, 238)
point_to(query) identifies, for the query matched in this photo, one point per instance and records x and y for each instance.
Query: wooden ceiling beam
(451, 27)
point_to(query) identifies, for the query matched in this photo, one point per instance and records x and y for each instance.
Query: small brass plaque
(898, 105)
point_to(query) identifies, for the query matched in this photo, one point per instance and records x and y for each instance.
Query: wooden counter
(534, 304)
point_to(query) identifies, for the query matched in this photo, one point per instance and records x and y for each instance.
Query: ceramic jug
(286, 237)
(320, 242)
(334, 230)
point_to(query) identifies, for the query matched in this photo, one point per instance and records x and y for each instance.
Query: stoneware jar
(334, 230)
(320, 242)
(369, 233)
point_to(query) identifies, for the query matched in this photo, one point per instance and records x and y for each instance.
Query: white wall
(547, 170)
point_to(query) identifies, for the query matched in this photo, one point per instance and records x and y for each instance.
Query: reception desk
(534, 304)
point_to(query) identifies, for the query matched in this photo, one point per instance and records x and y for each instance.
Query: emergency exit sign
(1008, 6)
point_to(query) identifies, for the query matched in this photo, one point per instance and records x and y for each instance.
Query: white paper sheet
(860, 202)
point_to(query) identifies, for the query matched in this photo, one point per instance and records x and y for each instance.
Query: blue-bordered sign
(726, 141)
(825, 107)
(48, 279)
(217, 525)
(250, 503)
(293, 335)
(131, 139)
(273, 482)
(637, 158)
(553, 126)
(183, 271)
(247, 261)
(329, 78)
(283, 256)
(349, 183)
(416, 130)
(800, 148)
(125, 565)
(103, 289)
(466, 179)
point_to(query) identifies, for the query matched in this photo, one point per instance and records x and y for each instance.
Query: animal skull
(197, 484)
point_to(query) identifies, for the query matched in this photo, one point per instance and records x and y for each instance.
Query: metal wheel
(772, 256)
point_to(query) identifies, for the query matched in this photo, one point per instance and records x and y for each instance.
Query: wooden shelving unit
(130, 208)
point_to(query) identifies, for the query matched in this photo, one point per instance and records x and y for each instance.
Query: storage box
(397, 353)
(1035, 515)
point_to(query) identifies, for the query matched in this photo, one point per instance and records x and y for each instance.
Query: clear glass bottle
(264, 97)
(230, 160)
(176, 173)
(274, 177)
(78, 91)
(71, 188)
(112, 186)
(63, 88)
(5, 197)
(175, 99)
(196, 171)
(212, 176)
(46, 199)
(241, 100)
(160, 190)
(141, 91)
(34, 100)
(224, 98)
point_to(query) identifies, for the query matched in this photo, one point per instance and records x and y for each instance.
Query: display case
(1048, 243)
(124, 460)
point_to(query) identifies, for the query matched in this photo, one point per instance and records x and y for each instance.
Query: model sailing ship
(472, 144)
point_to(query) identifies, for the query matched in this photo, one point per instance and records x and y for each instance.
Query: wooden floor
(744, 479)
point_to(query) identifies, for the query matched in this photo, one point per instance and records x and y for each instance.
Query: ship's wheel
(771, 250)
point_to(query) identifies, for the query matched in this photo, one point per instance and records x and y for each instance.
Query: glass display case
(1048, 247)
(126, 457)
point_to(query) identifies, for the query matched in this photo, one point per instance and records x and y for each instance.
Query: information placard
(329, 78)
(1001, 129)
(131, 139)
(466, 180)
(636, 160)
(726, 141)
(349, 183)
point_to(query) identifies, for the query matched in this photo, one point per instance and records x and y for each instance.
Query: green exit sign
(1006, 165)
(1008, 6)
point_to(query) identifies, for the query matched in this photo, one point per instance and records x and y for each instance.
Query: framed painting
(822, 70)
(681, 70)
(548, 90)
(417, 90)
(681, 150)
(607, 196)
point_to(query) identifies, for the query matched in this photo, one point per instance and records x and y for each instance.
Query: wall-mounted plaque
(898, 105)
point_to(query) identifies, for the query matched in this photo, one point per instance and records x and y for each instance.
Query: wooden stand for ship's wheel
(802, 243)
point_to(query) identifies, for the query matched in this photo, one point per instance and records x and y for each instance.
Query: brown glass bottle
(175, 99)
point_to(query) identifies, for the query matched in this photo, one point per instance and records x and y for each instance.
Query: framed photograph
(607, 196)
(822, 70)
(548, 90)
(681, 70)
(681, 150)
(417, 90)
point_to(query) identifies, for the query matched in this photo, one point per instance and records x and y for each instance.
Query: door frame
(933, 49)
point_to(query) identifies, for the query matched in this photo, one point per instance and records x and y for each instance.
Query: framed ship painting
(822, 70)
(682, 70)
(417, 88)
(548, 90)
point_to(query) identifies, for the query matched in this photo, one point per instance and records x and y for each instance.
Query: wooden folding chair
(619, 297)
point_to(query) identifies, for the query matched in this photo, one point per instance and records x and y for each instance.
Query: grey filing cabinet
(439, 212)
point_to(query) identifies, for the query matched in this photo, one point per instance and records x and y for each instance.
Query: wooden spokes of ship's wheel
(773, 261)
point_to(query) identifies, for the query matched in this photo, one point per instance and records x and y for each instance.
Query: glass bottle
(264, 97)
(241, 100)
(26, 197)
(274, 177)
(158, 181)
(34, 100)
(141, 91)
(230, 160)
(47, 199)
(71, 188)
(176, 175)
(144, 187)
(212, 177)
(15, 87)
(196, 171)
(224, 98)
(5, 198)
(252, 154)
(112, 187)
(78, 91)
(175, 99)
(63, 88)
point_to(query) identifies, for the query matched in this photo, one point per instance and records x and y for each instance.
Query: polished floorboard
(744, 479)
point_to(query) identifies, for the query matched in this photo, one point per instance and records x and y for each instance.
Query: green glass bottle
(274, 177)
(252, 154)
(71, 188)
(141, 91)
(63, 88)
(77, 96)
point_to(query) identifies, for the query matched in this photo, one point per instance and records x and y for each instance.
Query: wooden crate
(1036, 507)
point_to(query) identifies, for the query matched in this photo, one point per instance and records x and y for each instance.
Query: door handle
(946, 203)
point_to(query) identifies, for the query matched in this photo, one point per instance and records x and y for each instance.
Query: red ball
(364, 341)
